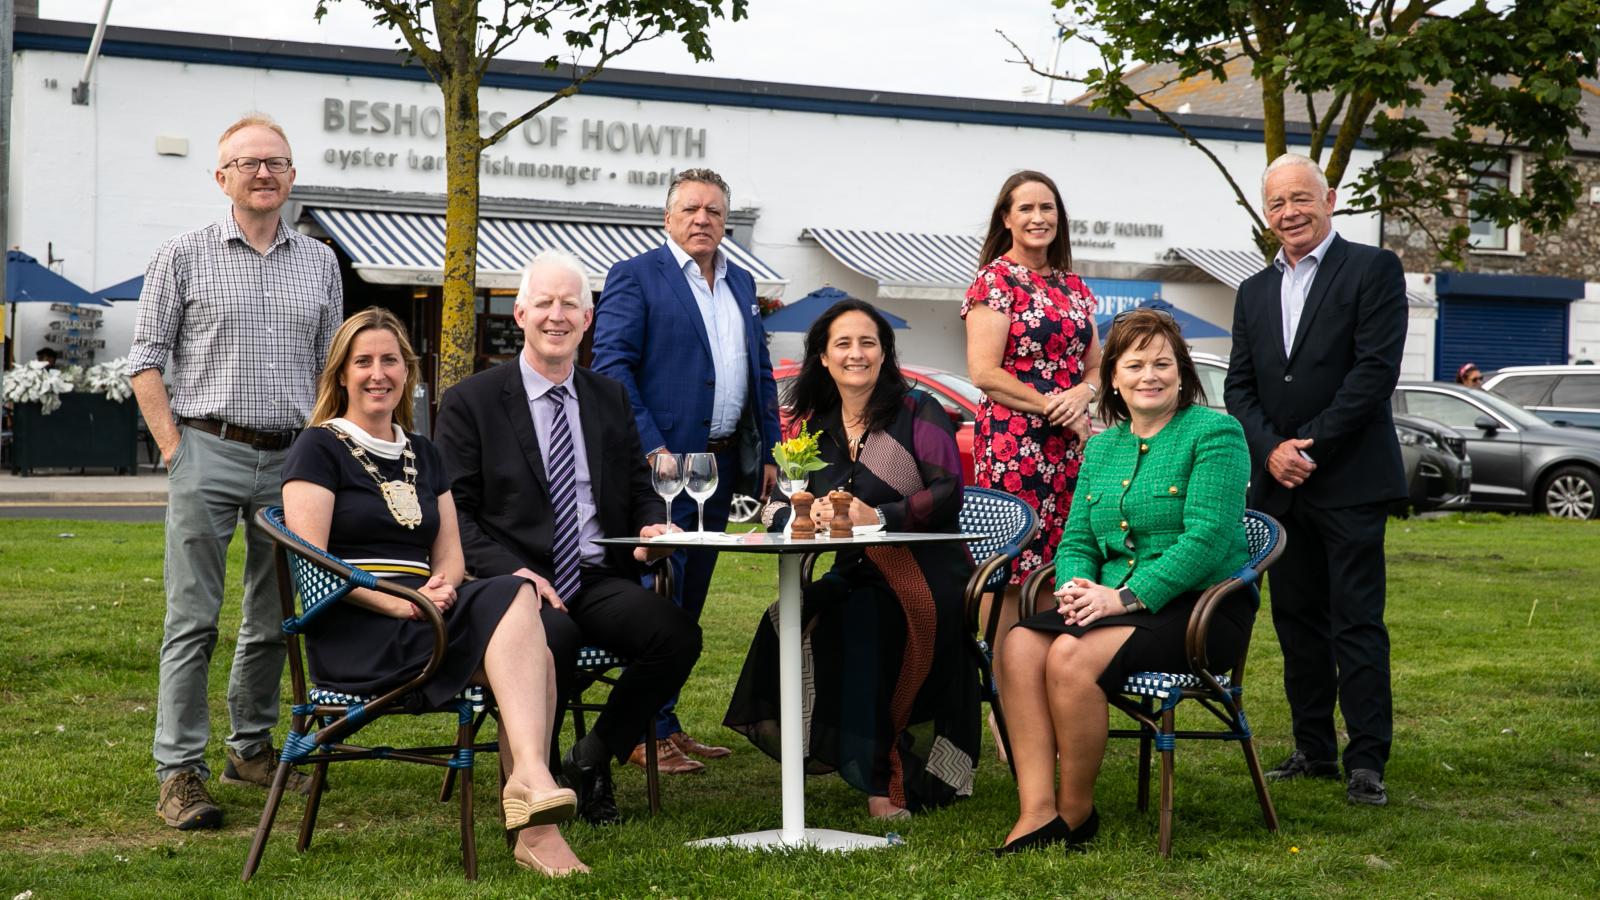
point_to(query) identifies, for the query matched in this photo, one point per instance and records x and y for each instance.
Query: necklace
(399, 496)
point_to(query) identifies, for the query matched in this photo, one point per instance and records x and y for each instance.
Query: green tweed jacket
(1160, 515)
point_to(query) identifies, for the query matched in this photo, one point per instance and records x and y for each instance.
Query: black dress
(890, 689)
(355, 650)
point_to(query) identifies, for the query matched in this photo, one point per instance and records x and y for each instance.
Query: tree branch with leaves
(1495, 79)
(455, 42)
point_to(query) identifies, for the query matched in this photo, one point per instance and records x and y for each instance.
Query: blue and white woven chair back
(1262, 536)
(1006, 522)
(315, 587)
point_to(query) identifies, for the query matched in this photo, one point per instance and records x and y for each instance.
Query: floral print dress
(1020, 453)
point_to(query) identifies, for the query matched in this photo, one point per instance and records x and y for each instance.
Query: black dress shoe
(1366, 787)
(1299, 765)
(1049, 834)
(597, 804)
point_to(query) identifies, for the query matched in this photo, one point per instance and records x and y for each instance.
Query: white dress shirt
(1296, 286)
(730, 358)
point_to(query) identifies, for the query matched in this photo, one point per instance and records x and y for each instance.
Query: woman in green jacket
(1156, 520)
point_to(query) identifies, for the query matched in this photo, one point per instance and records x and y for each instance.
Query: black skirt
(1157, 642)
(355, 650)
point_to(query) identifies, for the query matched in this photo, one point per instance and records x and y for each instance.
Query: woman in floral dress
(1033, 350)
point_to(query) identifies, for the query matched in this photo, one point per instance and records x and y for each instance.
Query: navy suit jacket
(1334, 384)
(649, 335)
(485, 434)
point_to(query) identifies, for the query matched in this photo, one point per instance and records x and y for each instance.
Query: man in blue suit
(681, 329)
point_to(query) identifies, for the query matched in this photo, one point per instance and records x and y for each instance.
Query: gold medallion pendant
(401, 498)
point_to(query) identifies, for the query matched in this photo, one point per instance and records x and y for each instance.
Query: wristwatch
(1130, 603)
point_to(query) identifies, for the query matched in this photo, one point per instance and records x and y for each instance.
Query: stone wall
(1572, 251)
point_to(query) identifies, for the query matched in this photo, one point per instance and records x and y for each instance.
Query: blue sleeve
(621, 324)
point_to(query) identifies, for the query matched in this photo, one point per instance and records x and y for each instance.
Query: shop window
(1486, 235)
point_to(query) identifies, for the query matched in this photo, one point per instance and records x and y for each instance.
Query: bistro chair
(595, 665)
(310, 581)
(1007, 524)
(1219, 691)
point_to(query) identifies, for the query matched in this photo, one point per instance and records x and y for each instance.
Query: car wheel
(1570, 493)
(744, 509)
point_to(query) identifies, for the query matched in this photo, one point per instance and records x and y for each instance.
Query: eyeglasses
(250, 165)
(1474, 379)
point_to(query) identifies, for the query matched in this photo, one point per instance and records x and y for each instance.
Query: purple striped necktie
(561, 471)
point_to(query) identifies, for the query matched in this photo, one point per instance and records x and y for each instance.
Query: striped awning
(392, 247)
(905, 264)
(1232, 267)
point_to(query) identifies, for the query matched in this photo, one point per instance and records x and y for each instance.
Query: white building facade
(883, 196)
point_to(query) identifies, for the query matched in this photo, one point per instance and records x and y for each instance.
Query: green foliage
(455, 41)
(798, 456)
(1494, 783)
(1506, 77)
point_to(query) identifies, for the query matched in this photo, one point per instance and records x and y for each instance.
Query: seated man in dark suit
(544, 459)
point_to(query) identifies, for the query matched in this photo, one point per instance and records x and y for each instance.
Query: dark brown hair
(1134, 329)
(999, 239)
(814, 391)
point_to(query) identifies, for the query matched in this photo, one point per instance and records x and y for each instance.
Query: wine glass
(700, 477)
(666, 476)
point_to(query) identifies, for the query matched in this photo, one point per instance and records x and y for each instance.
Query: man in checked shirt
(239, 314)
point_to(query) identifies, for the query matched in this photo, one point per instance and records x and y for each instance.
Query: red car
(958, 396)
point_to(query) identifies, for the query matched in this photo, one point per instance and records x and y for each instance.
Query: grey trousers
(211, 484)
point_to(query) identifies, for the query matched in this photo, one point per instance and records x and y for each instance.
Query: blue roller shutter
(1498, 332)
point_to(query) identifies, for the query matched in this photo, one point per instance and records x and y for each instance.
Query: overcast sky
(944, 47)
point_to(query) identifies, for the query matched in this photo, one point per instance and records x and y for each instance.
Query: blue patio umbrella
(29, 282)
(122, 290)
(1192, 326)
(799, 315)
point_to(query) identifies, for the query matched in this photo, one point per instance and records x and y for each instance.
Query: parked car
(1438, 467)
(1519, 461)
(955, 393)
(1561, 395)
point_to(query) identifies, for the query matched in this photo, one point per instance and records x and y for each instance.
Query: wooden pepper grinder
(840, 526)
(801, 528)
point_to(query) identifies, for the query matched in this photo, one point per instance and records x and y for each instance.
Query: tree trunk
(457, 29)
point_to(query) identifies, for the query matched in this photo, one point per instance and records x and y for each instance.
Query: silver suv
(1562, 395)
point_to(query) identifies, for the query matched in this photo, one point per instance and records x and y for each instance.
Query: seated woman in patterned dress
(360, 485)
(892, 693)
(1156, 521)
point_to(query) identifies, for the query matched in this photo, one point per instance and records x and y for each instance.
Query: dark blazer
(1333, 386)
(649, 335)
(485, 434)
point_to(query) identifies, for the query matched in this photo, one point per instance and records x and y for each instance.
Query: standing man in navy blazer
(680, 328)
(1317, 340)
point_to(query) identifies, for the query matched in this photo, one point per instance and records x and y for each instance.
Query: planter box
(87, 432)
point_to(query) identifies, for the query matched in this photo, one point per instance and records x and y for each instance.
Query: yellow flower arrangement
(798, 456)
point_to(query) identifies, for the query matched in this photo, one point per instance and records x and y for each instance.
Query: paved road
(104, 512)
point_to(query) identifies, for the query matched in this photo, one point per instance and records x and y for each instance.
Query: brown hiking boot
(186, 804)
(259, 770)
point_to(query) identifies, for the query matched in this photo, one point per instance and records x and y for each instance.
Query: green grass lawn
(1494, 784)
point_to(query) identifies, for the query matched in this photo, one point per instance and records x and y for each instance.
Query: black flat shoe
(1049, 834)
(1084, 833)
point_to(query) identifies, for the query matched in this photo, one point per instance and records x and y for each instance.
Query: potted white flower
(72, 417)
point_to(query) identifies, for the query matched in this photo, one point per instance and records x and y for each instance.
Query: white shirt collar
(537, 385)
(375, 446)
(1316, 254)
(685, 260)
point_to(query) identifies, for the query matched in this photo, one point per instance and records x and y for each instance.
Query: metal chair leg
(308, 822)
(1268, 813)
(1165, 844)
(652, 771)
(258, 844)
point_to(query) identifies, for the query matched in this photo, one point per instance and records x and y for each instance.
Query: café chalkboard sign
(501, 336)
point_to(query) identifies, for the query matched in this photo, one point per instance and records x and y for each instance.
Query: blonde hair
(251, 120)
(332, 399)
